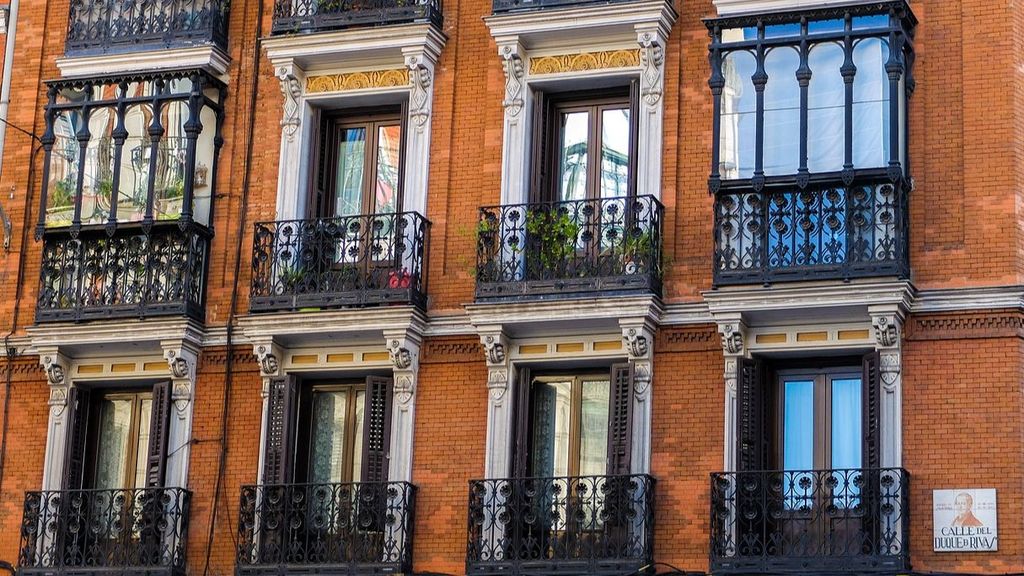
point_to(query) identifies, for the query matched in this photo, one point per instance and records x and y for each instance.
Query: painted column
(651, 38)
(290, 200)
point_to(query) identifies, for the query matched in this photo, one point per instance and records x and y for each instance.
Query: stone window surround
(642, 25)
(63, 348)
(414, 47)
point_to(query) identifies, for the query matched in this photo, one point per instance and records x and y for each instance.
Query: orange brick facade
(962, 372)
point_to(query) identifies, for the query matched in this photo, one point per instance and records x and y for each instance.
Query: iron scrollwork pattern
(825, 231)
(606, 245)
(125, 531)
(568, 525)
(331, 527)
(337, 262)
(103, 26)
(133, 273)
(320, 15)
(810, 520)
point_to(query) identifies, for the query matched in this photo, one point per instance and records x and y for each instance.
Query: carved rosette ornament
(512, 63)
(421, 77)
(652, 67)
(291, 88)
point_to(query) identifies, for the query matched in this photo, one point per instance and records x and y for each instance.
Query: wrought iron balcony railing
(772, 522)
(132, 273)
(139, 531)
(359, 528)
(129, 25)
(340, 262)
(823, 231)
(512, 5)
(574, 248)
(322, 15)
(582, 525)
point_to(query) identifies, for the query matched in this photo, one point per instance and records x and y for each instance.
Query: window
(813, 93)
(121, 440)
(128, 150)
(335, 416)
(360, 171)
(569, 430)
(585, 145)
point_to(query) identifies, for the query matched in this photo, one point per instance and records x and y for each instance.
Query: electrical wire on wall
(229, 358)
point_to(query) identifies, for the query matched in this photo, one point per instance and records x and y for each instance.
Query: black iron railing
(510, 5)
(127, 25)
(823, 231)
(132, 273)
(581, 247)
(339, 262)
(321, 15)
(572, 526)
(849, 520)
(138, 531)
(359, 528)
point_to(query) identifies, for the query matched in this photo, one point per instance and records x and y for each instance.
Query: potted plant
(291, 278)
(552, 236)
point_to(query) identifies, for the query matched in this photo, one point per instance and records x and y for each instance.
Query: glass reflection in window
(739, 116)
(62, 185)
(133, 187)
(573, 155)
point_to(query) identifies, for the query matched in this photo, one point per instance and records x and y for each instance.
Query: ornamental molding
(182, 361)
(421, 81)
(732, 335)
(361, 80)
(404, 352)
(887, 330)
(585, 61)
(58, 369)
(652, 66)
(515, 87)
(210, 58)
(291, 89)
(495, 344)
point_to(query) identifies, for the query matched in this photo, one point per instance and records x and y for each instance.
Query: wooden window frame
(306, 426)
(322, 189)
(575, 413)
(131, 462)
(822, 378)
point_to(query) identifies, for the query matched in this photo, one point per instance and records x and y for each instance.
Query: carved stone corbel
(291, 88)
(887, 330)
(57, 368)
(652, 67)
(404, 351)
(515, 88)
(268, 356)
(733, 335)
(421, 79)
(638, 341)
(496, 355)
(182, 358)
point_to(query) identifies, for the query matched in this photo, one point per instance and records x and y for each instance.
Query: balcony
(825, 231)
(118, 27)
(132, 273)
(340, 262)
(549, 250)
(308, 16)
(572, 526)
(796, 522)
(361, 528)
(514, 5)
(138, 531)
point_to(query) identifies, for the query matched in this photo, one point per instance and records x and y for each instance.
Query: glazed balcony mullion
(113, 27)
(800, 521)
(322, 15)
(133, 532)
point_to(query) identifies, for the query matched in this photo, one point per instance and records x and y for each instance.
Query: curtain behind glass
(327, 450)
(871, 104)
(552, 406)
(826, 105)
(781, 112)
(113, 433)
(351, 164)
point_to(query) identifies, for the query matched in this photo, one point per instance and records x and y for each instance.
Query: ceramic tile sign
(964, 520)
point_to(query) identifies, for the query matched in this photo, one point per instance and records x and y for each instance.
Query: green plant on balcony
(638, 252)
(552, 237)
(291, 278)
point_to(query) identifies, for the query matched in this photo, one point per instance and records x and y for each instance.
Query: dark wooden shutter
(871, 422)
(620, 418)
(319, 181)
(540, 165)
(159, 426)
(279, 453)
(752, 432)
(634, 134)
(521, 417)
(377, 429)
(402, 147)
(78, 432)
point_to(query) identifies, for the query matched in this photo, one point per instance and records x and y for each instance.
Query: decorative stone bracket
(57, 368)
(182, 359)
(404, 351)
(292, 80)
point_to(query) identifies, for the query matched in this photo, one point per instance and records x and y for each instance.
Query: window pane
(781, 112)
(871, 104)
(846, 423)
(389, 145)
(349, 179)
(824, 26)
(135, 154)
(739, 108)
(594, 428)
(169, 182)
(573, 155)
(552, 406)
(327, 450)
(112, 443)
(782, 30)
(798, 425)
(826, 105)
(63, 181)
(615, 129)
(142, 448)
(203, 183)
(98, 184)
(357, 431)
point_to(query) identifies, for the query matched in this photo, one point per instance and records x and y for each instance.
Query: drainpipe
(5, 88)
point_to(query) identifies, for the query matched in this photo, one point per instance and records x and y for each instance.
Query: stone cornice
(549, 27)
(210, 58)
(358, 47)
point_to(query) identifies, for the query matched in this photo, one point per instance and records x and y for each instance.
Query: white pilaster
(515, 148)
(57, 370)
(651, 37)
(182, 359)
(500, 401)
(887, 321)
(268, 355)
(290, 201)
(420, 63)
(638, 341)
(733, 333)
(404, 350)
